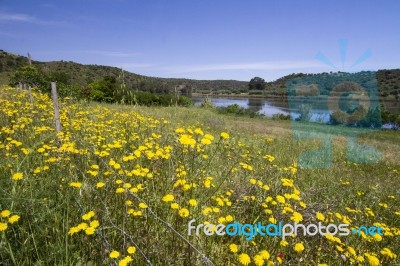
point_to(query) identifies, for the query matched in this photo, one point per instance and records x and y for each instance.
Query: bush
(305, 112)
(207, 103)
(360, 117)
(185, 101)
(281, 117)
(237, 110)
(156, 99)
(255, 92)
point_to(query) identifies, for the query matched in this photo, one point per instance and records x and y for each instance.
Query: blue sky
(208, 39)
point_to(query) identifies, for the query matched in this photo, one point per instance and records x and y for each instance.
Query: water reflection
(273, 106)
(255, 104)
(267, 107)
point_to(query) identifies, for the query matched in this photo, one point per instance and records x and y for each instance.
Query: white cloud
(119, 54)
(8, 34)
(110, 53)
(136, 65)
(8, 17)
(278, 65)
(25, 18)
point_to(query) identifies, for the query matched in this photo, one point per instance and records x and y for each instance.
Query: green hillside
(73, 73)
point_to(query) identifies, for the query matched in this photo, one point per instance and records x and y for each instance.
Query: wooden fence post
(30, 94)
(56, 108)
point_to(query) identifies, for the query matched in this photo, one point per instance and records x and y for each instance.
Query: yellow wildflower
(233, 248)
(75, 184)
(90, 230)
(225, 135)
(114, 254)
(3, 227)
(73, 230)
(125, 261)
(193, 202)
(299, 247)
(94, 224)
(13, 219)
(168, 197)
(5, 213)
(296, 217)
(372, 260)
(100, 184)
(244, 259)
(18, 176)
(320, 216)
(258, 260)
(131, 250)
(264, 254)
(143, 205)
(88, 215)
(184, 212)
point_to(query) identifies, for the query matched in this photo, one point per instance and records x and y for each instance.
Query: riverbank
(284, 97)
(241, 95)
(283, 104)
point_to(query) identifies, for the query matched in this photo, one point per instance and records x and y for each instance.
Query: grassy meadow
(119, 184)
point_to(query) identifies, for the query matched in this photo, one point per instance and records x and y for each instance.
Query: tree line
(109, 88)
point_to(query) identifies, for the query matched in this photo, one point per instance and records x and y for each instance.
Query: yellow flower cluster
(125, 167)
(6, 218)
(89, 226)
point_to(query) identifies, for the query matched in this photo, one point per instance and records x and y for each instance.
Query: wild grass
(119, 185)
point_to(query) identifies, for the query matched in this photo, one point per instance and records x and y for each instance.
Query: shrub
(281, 117)
(207, 103)
(255, 92)
(237, 110)
(305, 112)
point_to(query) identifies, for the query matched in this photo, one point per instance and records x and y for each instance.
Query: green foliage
(255, 92)
(28, 75)
(134, 152)
(103, 90)
(69, 73)
(278, 87)
(237, 110)
(108, 88)
(185, 101)
(390, 118)
(256, 83)
(388, 81)
(74, 73)
(374, 117)
(8, 64)
(207, 103)
(281, 117)
(338, 117)
(305, 111)
(156, 99)
(223, 92)
(69, 90)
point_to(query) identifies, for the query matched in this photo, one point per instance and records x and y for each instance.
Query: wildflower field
(119, 184)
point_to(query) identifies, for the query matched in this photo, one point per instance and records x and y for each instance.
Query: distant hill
(74, 73)
(388, 81)
(84, 74)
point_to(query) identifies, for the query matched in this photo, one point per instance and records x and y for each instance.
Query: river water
(273, 106)
(267, 107)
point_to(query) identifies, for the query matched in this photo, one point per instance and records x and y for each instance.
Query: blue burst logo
(342, 104)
